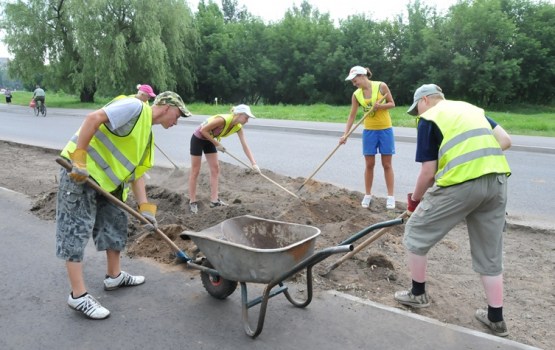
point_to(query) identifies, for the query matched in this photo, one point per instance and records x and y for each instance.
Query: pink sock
(493, 285)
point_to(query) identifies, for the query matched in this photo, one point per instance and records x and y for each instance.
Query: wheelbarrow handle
(312, 260)
(371, 228)
(369, 240)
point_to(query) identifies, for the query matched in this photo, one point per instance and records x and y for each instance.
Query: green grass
(530, 120)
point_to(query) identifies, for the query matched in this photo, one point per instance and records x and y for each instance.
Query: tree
(211, 80)
(480, 36)
(232, 12)
(304, 46)
(534, 47)
(366, 43)
(25, 43)
(109, 45)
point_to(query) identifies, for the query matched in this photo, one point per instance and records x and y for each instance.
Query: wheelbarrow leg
(301, 303)
(262, 313)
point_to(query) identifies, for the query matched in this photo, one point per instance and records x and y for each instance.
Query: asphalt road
(172, 310)
(296, 149)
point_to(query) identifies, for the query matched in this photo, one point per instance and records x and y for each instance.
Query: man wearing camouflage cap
(114, 147)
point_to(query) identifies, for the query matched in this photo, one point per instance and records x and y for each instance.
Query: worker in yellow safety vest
(114, 148)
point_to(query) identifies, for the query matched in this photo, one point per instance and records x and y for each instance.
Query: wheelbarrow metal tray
(252, 249)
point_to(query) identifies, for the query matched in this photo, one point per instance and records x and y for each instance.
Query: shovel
(168, 158)
(114, 200)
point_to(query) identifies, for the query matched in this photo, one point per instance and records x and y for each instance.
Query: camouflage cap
(172, 99)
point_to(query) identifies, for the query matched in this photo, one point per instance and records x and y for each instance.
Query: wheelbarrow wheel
(216, 286)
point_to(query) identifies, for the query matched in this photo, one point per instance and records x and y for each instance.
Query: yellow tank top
(377, 120)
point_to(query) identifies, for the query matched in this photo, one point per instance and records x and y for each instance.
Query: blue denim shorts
(81, 212)
(378, 141)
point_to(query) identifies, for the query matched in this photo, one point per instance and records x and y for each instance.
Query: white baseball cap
(356, 70)
(243, 109)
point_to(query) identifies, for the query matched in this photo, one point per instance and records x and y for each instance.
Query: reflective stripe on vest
(115, 160)
(469, 154)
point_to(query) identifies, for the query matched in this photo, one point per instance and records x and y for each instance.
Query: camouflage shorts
(82, 212)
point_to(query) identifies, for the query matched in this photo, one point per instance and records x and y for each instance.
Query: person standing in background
(8, 95)
(377, 136)
(145, 92)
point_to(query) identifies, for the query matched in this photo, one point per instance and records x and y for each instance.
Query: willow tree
(104, 45)
(28, 35)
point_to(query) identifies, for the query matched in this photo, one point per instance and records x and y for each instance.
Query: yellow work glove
(148, 211)
(79, 172)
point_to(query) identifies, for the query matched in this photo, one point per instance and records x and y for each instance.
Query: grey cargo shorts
(82, 212)
(481, 203)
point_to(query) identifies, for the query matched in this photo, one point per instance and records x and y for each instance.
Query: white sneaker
(123, 280)
(366, 200)
(193, 207)
(217, 203)
(89, 306)
(390, 203)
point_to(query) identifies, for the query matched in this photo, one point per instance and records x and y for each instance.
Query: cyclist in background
(39, 95)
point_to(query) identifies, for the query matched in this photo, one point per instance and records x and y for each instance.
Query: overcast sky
(273, 10)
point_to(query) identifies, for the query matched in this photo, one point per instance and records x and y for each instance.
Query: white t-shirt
(123, 115)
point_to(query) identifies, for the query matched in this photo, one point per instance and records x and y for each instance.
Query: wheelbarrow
(249, 249)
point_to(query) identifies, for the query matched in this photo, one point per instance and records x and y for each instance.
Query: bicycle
(40, 108)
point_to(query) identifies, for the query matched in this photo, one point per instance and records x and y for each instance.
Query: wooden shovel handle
(362, 245)
(346, 136)
(114, 200)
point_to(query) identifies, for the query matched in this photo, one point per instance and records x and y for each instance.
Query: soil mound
(375, 273)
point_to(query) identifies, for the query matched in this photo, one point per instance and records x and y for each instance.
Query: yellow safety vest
(226, 131)
(469, 149)
(377, 120)
(113, 160)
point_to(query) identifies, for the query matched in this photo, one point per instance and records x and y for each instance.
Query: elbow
(505, 142)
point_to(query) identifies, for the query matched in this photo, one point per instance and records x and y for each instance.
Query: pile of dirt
(375, 273)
